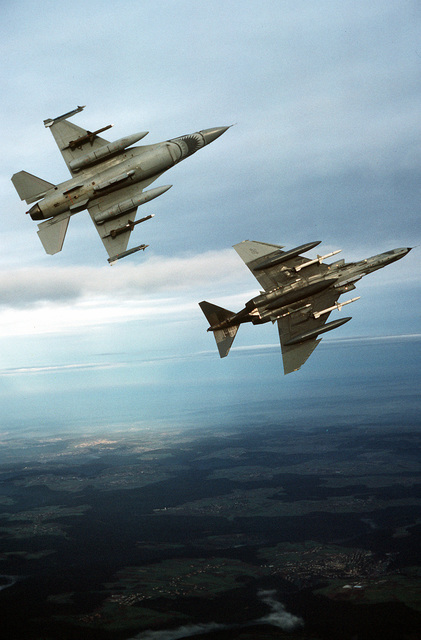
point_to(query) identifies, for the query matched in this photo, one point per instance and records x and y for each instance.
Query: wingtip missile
(50, 121)
(119, 256)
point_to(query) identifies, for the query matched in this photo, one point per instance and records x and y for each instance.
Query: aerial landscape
(150, 487)
(304, 532)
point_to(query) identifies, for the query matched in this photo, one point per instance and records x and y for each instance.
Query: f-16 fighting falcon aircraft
(299, 294)
(108, 179)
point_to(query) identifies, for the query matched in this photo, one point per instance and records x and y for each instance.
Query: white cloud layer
(156, 276)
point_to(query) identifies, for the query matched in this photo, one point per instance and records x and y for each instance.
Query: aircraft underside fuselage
(86, 187)
(298, 295)
(109, 179)
(269, 306)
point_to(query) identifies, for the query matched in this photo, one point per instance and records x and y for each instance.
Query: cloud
(158, 275)
(184, 631)
(278, 617)
(161, 290)
(108, 362)
(17, 371)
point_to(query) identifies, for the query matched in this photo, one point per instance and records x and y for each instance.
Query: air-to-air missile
(108, 179)
(299, 294)
(141, 247)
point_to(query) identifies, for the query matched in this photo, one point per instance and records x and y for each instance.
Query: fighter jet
(299, 294)
(108, 179)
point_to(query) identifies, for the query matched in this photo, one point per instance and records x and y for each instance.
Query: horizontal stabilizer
(223, 337)
(52, 234)
(29, 187)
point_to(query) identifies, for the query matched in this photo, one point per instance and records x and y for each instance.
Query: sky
(326, 146)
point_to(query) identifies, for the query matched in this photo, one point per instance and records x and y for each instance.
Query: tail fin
(29, 187)
(224, 337)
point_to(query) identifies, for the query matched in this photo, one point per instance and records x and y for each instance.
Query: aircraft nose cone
(210, 135)
(397, 254)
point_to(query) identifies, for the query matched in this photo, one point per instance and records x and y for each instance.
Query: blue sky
(325, 97)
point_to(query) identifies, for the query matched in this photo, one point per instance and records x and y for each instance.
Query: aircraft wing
(66, 134)
(299, 322)
(254, 253)
(118, 244)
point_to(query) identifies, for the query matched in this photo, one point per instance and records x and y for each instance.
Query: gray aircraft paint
(108, 178)
(299, 294)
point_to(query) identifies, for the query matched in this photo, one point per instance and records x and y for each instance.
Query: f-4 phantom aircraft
(299, 294)
(108, 179)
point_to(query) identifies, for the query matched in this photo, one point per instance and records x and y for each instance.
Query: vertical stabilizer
(223, 337)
